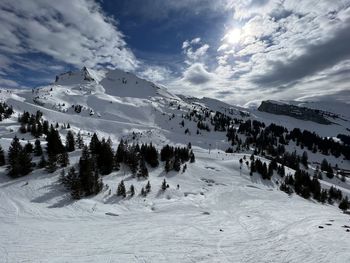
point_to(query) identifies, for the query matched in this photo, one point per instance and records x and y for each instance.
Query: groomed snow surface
(219, 214)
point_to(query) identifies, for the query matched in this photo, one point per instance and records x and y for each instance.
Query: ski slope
(219, 213)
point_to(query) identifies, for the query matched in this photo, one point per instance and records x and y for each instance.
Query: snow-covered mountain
(215, 211)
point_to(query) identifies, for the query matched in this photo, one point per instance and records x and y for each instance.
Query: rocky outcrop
(300, 113)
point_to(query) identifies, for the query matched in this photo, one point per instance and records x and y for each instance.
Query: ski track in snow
(258, 223)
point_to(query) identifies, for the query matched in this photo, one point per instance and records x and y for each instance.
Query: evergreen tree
(324, 165)
(74, 184)
(193, 159)
(52, 163)
(42, 163)
(28, 147)
(304, 159)
(14, 152)
(80, 141)
(143, 192)
(86, 172)
(270, 170)
(177, 164)
(167, 166)
(54, 143)
(148, 187)
(150, 154)
(121, 189)
(105, 159)
(38, 151)
(121, 152)
(133, 159)
(164, 185)
(324, 196)
(26, 162)
(63, 159)
(344, 204)
(2, 157)
(45, 127)
(95, 144)
(23, 128)
(143, 171)
(329, 171)
(132, 190)
(97, 183)
(70, 141)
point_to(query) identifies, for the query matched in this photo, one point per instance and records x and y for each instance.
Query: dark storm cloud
(316, 58)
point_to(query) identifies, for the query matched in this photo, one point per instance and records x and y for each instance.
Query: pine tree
(74, 184)
(42, 163)
(28, 147)
(304, 159)
(132, 160)
(54, 143)
(86, 172)
(164, 185)
(80, 141)
(167, 166)
(143, 171)
(2, 157)
(26, 162)
(23, 128)
(324, 165)
(324, 196)
(148, 187)
(177, 164)
(95, 144)
(63, 159)
(52, 163)
(143, 192)
(70, 141)
(97, 183)
(14, 152)
(270, 170)
(344, 204)
(38, 151)
(132, 190)
(121, 151)
(45, 127)
(105, 159)
(121, 189)
(193, 159)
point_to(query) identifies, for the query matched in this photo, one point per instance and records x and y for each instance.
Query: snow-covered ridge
(214, 212)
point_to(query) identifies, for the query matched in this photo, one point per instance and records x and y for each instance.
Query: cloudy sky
(239, 51)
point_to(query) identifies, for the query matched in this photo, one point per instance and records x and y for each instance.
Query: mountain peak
(75, 77)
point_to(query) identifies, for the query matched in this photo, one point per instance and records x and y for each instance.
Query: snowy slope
(219, 213)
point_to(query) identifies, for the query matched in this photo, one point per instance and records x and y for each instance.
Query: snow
(40, 224)
(219, 214)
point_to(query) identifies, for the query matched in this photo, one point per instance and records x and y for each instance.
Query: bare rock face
(297, 112)
(87, 75)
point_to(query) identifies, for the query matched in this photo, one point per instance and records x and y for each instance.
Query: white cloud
(156, 73)
(197, 74)
(7, 83)
(196, 40)
(74, 32)
(194, 50)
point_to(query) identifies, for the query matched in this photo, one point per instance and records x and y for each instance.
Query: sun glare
(233, 36)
